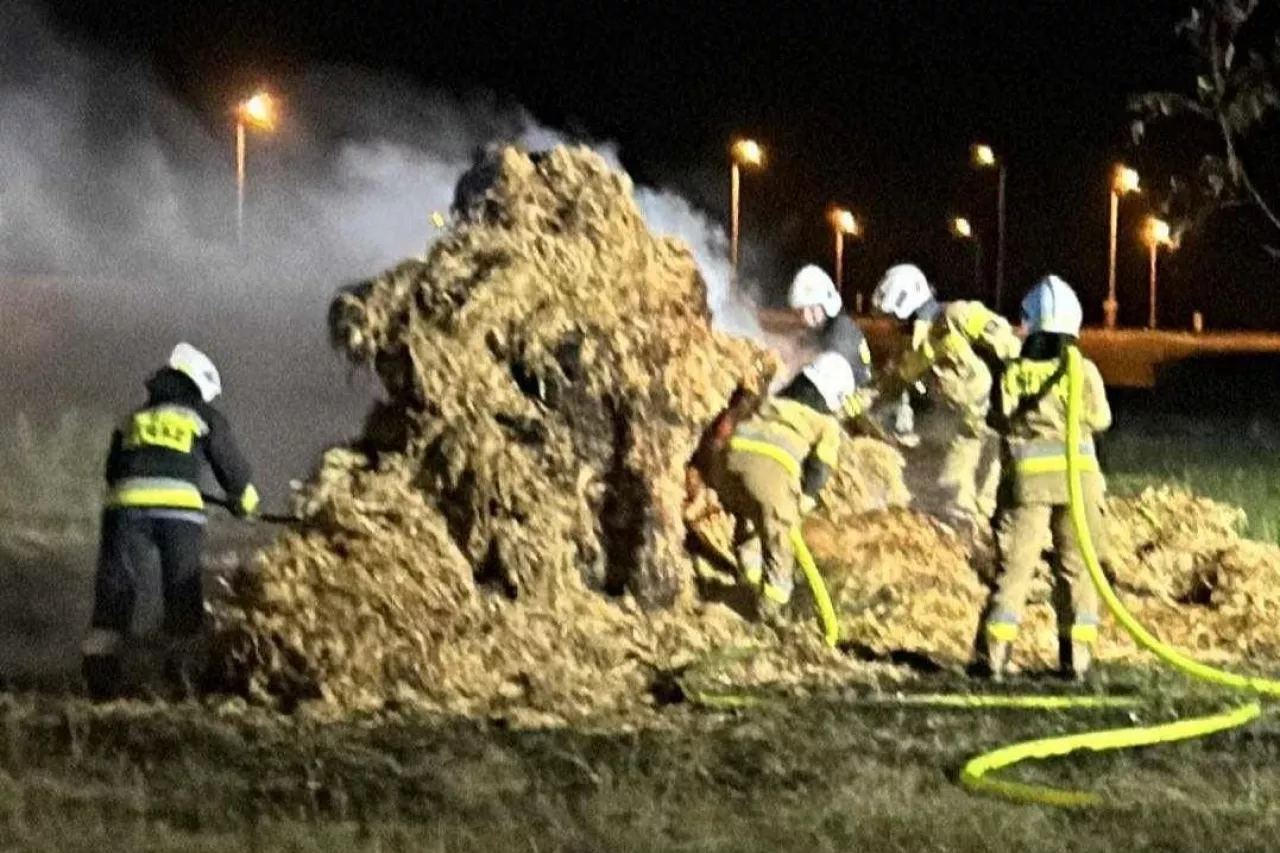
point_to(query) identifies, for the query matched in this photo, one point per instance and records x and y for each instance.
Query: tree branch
(1216, 61)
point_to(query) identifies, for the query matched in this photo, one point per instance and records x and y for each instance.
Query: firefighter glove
(247, 506)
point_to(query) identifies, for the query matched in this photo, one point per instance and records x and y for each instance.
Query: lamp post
(258, 112)
(842, 222)
(744, 152)
(1123, 181)
(962, 229)
(1156, 234)
(984, 158)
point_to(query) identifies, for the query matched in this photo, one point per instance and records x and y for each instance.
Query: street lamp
(744, 152)
(1155, 234)
(984, 158)
(259, 113)
(842, 222)
(1123, 181)
(962, 229)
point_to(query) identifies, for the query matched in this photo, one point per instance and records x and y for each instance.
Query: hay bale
(900, 582)
(868, 477)
(1204, 588)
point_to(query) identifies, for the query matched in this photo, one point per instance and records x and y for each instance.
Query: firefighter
(949, 353)
(776, 463)
(814, 296)
(1034, 417)
(154, 505)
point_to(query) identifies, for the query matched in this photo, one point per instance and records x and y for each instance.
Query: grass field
(1231, 463)
(828, 773)
(822, 773)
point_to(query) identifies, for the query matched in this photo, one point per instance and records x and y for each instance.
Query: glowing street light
(1123, 181)
(962, 229)
(748, 152)
(983, 157)
(259, 113)
(842, 222)
(744, 152)
(1156, 233)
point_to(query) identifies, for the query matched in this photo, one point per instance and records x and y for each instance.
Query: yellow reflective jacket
(946, 354)
(803, 440)
(1034, 409)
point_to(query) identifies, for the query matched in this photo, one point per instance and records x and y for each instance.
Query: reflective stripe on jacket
(1034, 403)
(158, 452)
(804, 441)
(154, 492)
(1048, 456)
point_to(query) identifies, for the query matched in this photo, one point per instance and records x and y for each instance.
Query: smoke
(117, 231)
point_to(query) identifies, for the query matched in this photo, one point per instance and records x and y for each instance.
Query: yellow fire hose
(821, 598)
(826, 612)
(976, 775)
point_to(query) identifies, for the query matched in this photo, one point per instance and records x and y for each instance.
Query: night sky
(872, 104)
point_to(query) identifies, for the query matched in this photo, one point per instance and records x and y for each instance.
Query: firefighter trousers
(1021, 537)
(955, 472)
(131, 537)
(765, 501)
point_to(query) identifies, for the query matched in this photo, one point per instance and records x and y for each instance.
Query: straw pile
(902, 583)
(508, 535)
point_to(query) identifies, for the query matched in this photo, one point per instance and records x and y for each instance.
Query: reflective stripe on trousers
(752, 565)
(778, 593)
(1002, 627)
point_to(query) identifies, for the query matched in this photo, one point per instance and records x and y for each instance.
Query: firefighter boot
(1081, 658)
(186, 667)
(998, 656)
(103, 676)
(772, 604)
(1074, 658)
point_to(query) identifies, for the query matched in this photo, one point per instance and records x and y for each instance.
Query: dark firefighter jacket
(842, 335)
(155, 457)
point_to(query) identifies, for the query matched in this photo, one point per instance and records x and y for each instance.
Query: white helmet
(832, 375)
(901, 292)
(199, 367)
(1052, 306)
(813, 287)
